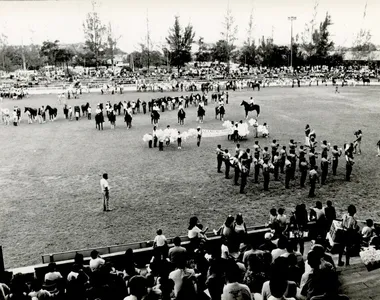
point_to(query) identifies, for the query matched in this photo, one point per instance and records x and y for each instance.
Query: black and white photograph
(188, 149)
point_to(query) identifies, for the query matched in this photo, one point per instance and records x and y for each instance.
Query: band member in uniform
(199, 135)
(307, 132)
(325, 148)
(358, 142)
(235, 163)
(226, 158)
(283, 156)
(324, 169)
(276, 165)
(288, 171)
(237, 149)
(378, 148)
(219, 157)
(313, 177)
(349, 160)
(243, 172)
(256, 149)
(249, 160)
(226, 97)
(257, 165)
(274, 147)
(89, 113)
(266, 174)
(312, 158)
(105, 191)
(266, 155)
(336, 153)
(303, 167)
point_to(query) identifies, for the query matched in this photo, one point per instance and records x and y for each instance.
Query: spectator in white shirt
(233, 289)
(96, 261)
(53, 274)
(105, 188)
(160, 244)
(281, 248)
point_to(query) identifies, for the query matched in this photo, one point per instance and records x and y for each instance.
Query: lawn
(49, 173)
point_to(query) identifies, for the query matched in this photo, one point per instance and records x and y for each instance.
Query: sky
(36, 21)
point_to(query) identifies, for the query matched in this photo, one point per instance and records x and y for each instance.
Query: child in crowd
(367, 231)
(160, 244)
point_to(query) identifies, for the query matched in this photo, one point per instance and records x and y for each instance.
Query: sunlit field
(49, 173)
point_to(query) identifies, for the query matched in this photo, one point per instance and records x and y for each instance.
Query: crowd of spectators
(276, 267)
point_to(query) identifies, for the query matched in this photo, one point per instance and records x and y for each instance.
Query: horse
(117, 107)
(205, 87)
(201, 113)
(219, 110)
(32, 113)
(99, 120)
(155, 116)
(112, 119)
(52, 112)
(181, 116)
(254, 85)
(138, 103)
(128, 120)
(85, 108)
(366, 80)
(250, 107)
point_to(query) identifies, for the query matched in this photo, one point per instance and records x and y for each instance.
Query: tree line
(314, 47)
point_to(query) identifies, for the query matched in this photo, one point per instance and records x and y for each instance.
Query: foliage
(180, 41)
(140, 58)
(317, 50)
(204, 53)
(222, 51)
(229, 35)
(95, 32)
(49, 51)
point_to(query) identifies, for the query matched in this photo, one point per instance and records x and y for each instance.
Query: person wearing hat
(226, 157)
(349, 160)
(105, 191)
(70, 113)
(96, 261)
(325, 169)
(266, 174)
(336, 153)
(199, 135)
(219, 158)
(313, 177)
(358, 142)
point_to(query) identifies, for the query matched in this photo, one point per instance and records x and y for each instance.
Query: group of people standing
(278, 160)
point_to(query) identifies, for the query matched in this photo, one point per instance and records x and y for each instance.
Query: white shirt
(96, 263)
(225, 251)
(178, 275)
(72, 275)
(194, 232)
(160, 240)
(104, 185)
(236, 291)
(52, 276)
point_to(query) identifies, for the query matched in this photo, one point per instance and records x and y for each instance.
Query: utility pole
(292, 18)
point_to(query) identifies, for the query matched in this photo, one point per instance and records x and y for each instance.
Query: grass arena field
(49, 173)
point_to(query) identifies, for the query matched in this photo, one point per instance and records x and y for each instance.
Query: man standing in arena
(219, 157)
(105, 191)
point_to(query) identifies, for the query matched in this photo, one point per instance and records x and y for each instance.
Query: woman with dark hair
(195, 233)
(297, 226)
(240, 228)
(350, 226)
(129, 268)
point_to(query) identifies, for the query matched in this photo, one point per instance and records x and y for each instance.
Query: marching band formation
(283, 160)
